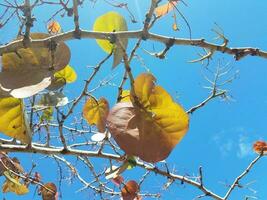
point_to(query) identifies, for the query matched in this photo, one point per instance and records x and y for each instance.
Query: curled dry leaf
(24, 83)
(53, 99)
(118, 180)
(150, 132)
(96, 112)
(12, 164)
(12, 184)
(13, 121)
(165, 8)
(114, 171)
(29, 71)
(112, 22)
(47, 114)
(260, 147)
(49, 192)
(130, 190)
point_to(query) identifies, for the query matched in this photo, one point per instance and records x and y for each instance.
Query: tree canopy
(131, 100)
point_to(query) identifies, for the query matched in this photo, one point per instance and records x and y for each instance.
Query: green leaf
(47, 114)
(53, 99)
(131, 162)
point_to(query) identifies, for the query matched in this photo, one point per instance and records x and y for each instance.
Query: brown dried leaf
(130, 190)
(260, 147)
(24, 83)
(28, 71)
(50, 194)
(118, 180)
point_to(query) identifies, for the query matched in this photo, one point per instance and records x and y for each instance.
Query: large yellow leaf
(96, 112)
(13, 121)
(12, 184)
(152, 130)
(112, 22)
(29, 71)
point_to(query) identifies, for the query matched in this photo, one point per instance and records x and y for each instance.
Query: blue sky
(222, 133)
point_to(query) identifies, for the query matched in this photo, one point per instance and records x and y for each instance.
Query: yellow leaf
(54, 27)
(112, 22)
(150, 132)
(96, 112)
(143, 86)
(13, 121)
(125, 96)
(165, 8)
(12, 184)
(68, 73)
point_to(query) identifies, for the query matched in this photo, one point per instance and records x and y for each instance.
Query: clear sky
(221, 133)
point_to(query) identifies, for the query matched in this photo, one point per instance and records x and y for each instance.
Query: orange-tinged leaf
(260, 147)
(165, 8)
(174, 25)
(150, 132)
(49, 192)
(96, 112)
(54, 27)
(130, 190)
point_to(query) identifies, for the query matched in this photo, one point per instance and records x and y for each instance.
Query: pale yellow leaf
(112, 22)
(12, 184)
